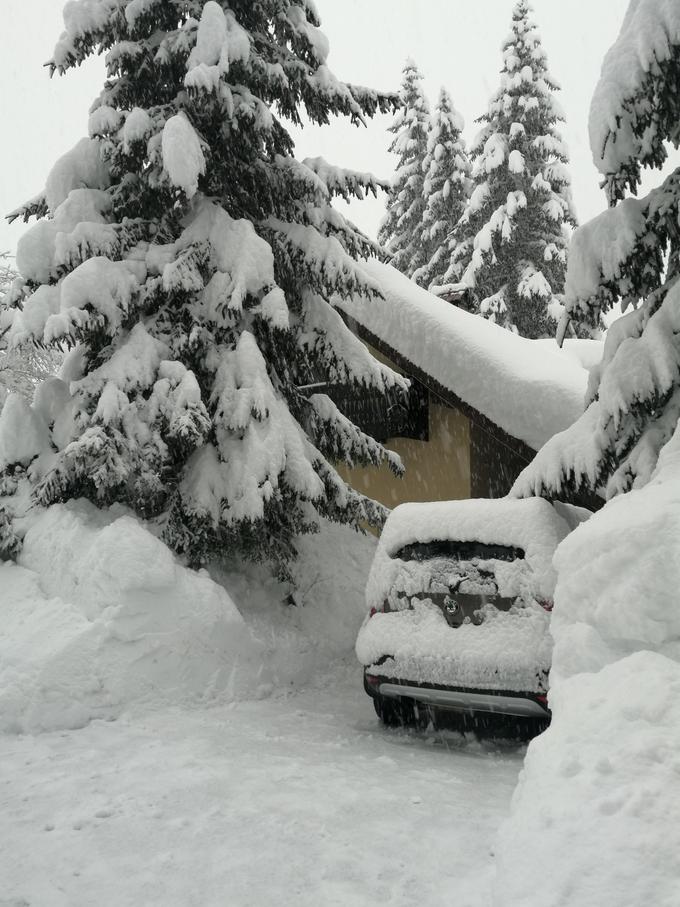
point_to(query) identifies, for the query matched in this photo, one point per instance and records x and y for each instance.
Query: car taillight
(546, 603)
(385, 607)
(542, 698)
(372, 680)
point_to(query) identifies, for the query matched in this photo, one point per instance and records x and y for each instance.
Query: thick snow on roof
(527, 389)
(586, 353)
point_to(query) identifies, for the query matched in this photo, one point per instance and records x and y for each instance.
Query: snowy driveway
(297, 800)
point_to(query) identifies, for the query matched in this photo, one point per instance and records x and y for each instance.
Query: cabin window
(383, 416)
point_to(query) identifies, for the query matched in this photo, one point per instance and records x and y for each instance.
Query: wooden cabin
(458, 438)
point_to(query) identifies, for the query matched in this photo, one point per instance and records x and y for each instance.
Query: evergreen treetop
(400, 231)
(190, 262)
(512, 241)
(446, 188)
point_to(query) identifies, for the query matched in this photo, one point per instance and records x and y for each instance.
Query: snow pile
(315, 625)
(98, 617)
(597, 786)
(598, 796)
(618, 580)
(526, 388)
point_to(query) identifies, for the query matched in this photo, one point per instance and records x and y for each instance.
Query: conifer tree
(630, 252)
(401, 229)
(190, 262)
(512, 242)
(446, 188)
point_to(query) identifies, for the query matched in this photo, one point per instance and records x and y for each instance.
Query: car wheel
(400, 712)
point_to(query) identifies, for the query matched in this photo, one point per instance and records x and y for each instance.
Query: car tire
(400, 712)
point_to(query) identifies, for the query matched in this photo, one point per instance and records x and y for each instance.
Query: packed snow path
(295, 800)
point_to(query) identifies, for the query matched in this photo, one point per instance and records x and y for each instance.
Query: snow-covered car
(459, 598)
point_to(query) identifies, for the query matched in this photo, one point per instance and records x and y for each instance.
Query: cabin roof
(523, 391)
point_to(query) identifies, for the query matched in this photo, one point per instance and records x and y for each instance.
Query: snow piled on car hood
(531, 524)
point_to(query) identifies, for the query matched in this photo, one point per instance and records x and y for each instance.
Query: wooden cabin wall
(493, 465)
(436, 470)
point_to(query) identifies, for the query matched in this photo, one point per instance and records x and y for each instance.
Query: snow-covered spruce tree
(190, 261)
(511, 246)
(401, 229)
(630, 252)
(446, 189)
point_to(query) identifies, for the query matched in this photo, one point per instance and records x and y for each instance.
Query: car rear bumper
(490, 702)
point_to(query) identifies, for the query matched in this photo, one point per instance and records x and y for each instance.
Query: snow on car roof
(530, 389)
(526, 524)
(531, 524)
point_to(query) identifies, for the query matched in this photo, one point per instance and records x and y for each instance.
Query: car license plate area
(461, 608)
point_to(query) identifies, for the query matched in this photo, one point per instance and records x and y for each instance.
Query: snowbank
(598, 794)
(98, 616)
(618, 580)
(525, 387)
(596, 816)
(323, 617)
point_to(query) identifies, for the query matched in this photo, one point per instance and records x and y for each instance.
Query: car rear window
(459, 551)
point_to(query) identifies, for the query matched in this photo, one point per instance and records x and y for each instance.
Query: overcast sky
(455, 42)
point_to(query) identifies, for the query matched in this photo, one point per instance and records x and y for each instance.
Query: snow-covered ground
(166, 739)
(298, 799)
